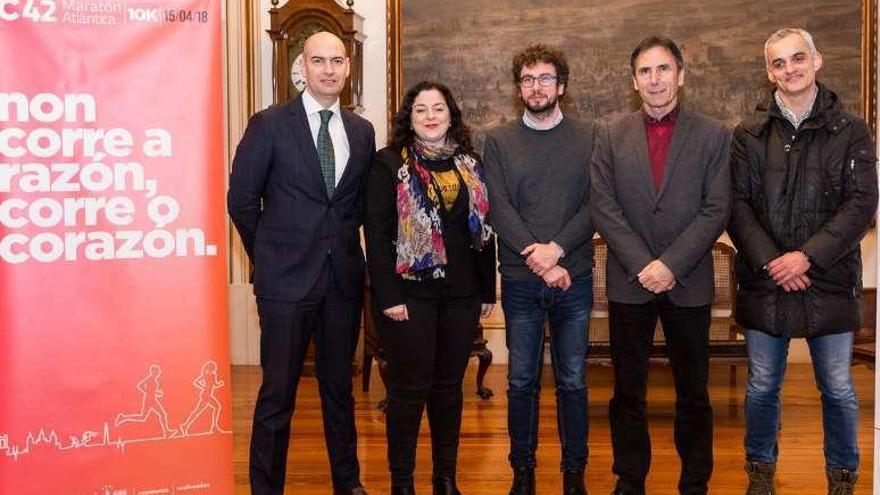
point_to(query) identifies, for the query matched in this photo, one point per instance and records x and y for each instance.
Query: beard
(538, 109)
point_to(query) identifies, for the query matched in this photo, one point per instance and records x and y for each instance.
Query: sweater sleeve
(502, 215)
(579, 228)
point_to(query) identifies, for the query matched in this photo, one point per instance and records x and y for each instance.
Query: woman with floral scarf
(431, 259)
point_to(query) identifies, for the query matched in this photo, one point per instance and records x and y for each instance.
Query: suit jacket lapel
(680, 137)
(639, 149)
(348, 123)
(303, 137)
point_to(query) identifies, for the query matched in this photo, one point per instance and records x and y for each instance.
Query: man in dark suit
(296, 198)
(660, 198)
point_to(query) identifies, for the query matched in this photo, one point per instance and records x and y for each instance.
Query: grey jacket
(677, 224)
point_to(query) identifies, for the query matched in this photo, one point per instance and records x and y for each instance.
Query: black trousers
(427, 357)
(286, 329)
(686, 330)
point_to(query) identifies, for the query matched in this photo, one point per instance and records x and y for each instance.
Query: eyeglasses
(544, 80)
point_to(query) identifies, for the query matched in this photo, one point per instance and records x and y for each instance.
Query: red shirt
(659, 133)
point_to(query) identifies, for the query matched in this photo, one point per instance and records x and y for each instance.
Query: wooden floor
(483, 467)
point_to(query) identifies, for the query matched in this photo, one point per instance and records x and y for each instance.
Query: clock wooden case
(295, 21)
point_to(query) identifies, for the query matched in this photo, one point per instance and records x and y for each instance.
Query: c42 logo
(32, 10)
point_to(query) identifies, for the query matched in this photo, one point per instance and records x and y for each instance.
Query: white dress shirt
(341, 150)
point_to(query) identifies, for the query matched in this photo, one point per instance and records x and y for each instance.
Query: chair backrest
(725, 277)
(600, 261)
(722, 305)
(868, 331)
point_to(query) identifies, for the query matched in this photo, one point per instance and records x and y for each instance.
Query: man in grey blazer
(660, 198)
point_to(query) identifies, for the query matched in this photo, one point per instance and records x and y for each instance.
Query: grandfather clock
(295, 21)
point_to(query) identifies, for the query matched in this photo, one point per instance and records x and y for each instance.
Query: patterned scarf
(421, 253)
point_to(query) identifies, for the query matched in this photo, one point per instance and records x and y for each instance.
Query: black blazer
(468, 272)
(280, 207)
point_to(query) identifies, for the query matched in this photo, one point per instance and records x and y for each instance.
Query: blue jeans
(831, 355)
(528, 305)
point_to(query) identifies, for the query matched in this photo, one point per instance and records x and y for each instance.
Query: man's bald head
(323, 39)
(326, 67)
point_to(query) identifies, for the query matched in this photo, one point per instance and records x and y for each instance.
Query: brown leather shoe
(842, 481)
(760, 478)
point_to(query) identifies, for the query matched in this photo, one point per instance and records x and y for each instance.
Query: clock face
(296, 74)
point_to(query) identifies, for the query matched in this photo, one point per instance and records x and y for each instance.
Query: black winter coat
(813, 189)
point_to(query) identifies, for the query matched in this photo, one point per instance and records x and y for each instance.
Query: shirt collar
(671, 117)
(540, 126)
(312, 106)
(795, 119)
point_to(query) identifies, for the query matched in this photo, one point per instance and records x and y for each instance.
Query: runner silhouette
(207, 383)
(151, 392)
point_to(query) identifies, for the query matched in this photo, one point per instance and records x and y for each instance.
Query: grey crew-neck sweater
(539, 183)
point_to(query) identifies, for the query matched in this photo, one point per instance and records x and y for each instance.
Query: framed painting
(469, 47)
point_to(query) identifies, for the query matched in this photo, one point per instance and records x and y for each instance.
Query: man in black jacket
(296, 198)
(804, 192)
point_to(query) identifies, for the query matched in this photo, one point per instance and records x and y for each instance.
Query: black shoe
(523, 481)
(573, 482)
(444, 485)
(403, 490)
(623, 487)
(358, 490)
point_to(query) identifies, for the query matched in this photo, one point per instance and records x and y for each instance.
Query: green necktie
(325, 152)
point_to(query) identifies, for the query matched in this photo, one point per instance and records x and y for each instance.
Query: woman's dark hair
(403, 135)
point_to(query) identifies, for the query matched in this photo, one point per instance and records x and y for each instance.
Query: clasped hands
(789, 271)
(543, 260)
(656, 277)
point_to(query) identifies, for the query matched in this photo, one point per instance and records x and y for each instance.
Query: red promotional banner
(114, 370)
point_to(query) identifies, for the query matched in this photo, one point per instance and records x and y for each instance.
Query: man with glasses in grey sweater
(537, 171)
